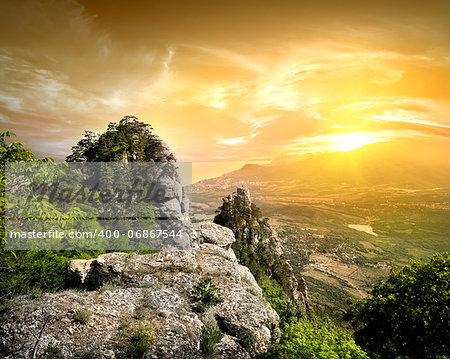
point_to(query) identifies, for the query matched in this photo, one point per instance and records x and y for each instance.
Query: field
(338, 262)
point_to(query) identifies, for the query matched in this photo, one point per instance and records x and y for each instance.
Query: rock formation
(120, 290)
(253, 231)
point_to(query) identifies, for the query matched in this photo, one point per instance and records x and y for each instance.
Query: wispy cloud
(342, 142)
(254, 92)
(407, 116)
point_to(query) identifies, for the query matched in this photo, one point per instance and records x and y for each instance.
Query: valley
(342, 238)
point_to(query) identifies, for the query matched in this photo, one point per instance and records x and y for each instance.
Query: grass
(148, 301)
(82, 316)
(52, 351)
(108, 286)
(210, 337)
(247, 340)
(141, 338)
(140, 312)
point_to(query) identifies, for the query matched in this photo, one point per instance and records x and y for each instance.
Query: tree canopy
(408, 313)
(129, 141)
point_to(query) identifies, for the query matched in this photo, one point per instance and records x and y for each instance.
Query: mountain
(342, 217)
(399, 164)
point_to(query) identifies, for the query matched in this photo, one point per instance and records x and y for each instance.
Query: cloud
(342, 142)
(217, 87)
(410, 112)
(236, 140)
(407, 116)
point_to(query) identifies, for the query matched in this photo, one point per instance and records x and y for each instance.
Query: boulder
(215, 234)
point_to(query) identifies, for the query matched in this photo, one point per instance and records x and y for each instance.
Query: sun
(350, 141)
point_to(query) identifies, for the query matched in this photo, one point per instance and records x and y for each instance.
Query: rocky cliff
(116, 293)
(190, 303)
(257, 242)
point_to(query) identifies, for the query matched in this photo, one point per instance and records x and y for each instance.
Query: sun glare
(351, 141)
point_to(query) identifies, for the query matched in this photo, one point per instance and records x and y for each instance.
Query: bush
(52, 351)
(108, 286)
(313, 338)
(247, 340)
(140, 339)
(205, 291)
(210, 337)
(408, 314)
(140, 312)
(82, 316)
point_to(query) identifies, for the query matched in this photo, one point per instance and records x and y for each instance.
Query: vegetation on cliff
(256, 245)
(129, 141)
(408, 314)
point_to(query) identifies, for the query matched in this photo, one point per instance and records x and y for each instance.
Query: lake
(363, 228)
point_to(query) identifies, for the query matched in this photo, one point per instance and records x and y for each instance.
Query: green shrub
(314, 338)
(108, 286)
(408, 314)
(141, 337)
(210, 337)
(52, 351)
(247, 340)
(147, 300)
(205, 291)
(140, 312)
(82, 316)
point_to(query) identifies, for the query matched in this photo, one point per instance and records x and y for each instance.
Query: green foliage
(302, 335)
(28, 272)
(141, 337)
(408, 314)
(82, 316)
(247, 340)
(52, 351)
(206, 292)
(210, 337)
(287, 310)
(128, 141)
(247, 223)
(140, 312)
(13, 152)
(315, 338)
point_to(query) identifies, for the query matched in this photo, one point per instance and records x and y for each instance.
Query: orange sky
(227, 82)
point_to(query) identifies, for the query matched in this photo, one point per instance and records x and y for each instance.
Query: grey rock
(215, 234)
(162, 284)
(243, 194)
(230, 348)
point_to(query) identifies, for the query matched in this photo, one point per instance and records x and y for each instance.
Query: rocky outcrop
(213, 233)
(244, 218)
(119, 291)
(251, 230)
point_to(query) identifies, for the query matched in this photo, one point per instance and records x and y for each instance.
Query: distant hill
(398, 164)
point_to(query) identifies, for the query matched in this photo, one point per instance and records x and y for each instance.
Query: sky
(226, 83)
